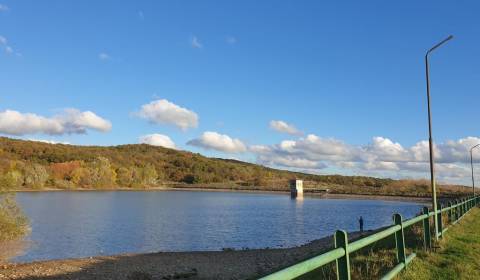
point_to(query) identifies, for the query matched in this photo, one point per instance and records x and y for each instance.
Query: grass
(13, 223)
(458, 256)
(373, 261)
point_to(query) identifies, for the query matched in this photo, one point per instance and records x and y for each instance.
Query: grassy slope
(458, 256)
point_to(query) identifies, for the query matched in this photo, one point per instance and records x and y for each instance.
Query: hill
(37, 165)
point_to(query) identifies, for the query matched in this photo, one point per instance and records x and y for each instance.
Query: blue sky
(342, 71)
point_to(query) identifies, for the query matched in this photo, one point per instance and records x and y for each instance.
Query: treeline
(29, 164)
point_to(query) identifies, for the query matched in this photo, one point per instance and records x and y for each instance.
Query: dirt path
(245, 264)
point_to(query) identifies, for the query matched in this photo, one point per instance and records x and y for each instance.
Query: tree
(11, 180)
(190, 179)
(124, 177)
(13, 223)
(144, 176)
(34, 175)
(64, 170)
(102, 173)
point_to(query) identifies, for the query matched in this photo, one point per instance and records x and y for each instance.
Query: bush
(13, 223)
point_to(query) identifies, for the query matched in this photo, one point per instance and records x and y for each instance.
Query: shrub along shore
(13, 223)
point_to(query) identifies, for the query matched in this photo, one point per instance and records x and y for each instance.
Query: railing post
(455, 208)
(458, 209)
(400, 240)
(461, 208)
(426, 230)
(440, 221)
(343, 263)
(450, 211)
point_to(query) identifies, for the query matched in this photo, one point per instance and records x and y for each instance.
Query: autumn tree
(34, 175)
(102, 173)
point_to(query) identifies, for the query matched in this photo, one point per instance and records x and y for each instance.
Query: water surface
(82, 224)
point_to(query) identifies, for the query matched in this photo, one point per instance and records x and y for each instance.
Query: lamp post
(471, 164)
(430, 140)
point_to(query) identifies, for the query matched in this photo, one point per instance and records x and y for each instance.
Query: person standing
(360, 221)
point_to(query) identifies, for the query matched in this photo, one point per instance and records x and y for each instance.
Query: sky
(324, 87)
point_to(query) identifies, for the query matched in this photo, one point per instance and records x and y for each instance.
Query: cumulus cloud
(219, 142)
(283, 127)
(70, 121)
(157, 140)
(196, 43)
(165, 112)
(380, 155)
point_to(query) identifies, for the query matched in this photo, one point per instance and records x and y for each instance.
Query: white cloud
(380, 156)
(387, 149)
(157, 140)
(49, 141)
(196, 43)
(75, 121)
(219, 142)
(165, 112)
(104, 56)
(283, 127)
(3, 8)
(71, 121)
(231, 40)
(4, 43)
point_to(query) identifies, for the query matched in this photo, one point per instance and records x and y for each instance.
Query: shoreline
(226, 264)
(206, 189)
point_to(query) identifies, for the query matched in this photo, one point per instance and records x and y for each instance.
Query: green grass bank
(458, 255)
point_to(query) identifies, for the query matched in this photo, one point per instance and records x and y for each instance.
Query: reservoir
(84, 224)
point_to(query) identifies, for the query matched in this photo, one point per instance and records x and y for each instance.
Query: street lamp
(471, 163)
(430, 140)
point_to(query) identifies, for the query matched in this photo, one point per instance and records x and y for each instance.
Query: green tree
(144, 176)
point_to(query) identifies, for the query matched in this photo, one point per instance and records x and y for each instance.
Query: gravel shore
(229, 264)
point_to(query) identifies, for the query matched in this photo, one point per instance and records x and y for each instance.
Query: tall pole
(471, 164)
(430, 138)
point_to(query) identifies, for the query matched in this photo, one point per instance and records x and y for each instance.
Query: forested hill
(30, 164)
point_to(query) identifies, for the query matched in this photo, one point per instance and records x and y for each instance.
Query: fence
(341, 254)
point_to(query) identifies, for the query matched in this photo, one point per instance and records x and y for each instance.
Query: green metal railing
(455, 211)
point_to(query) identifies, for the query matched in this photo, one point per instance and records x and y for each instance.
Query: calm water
(81, 224)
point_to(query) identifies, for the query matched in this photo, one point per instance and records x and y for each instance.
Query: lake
(83, 224)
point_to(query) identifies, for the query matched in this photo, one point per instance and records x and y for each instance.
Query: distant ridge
(36, 165)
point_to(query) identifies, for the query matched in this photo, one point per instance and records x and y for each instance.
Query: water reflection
(81, 224)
